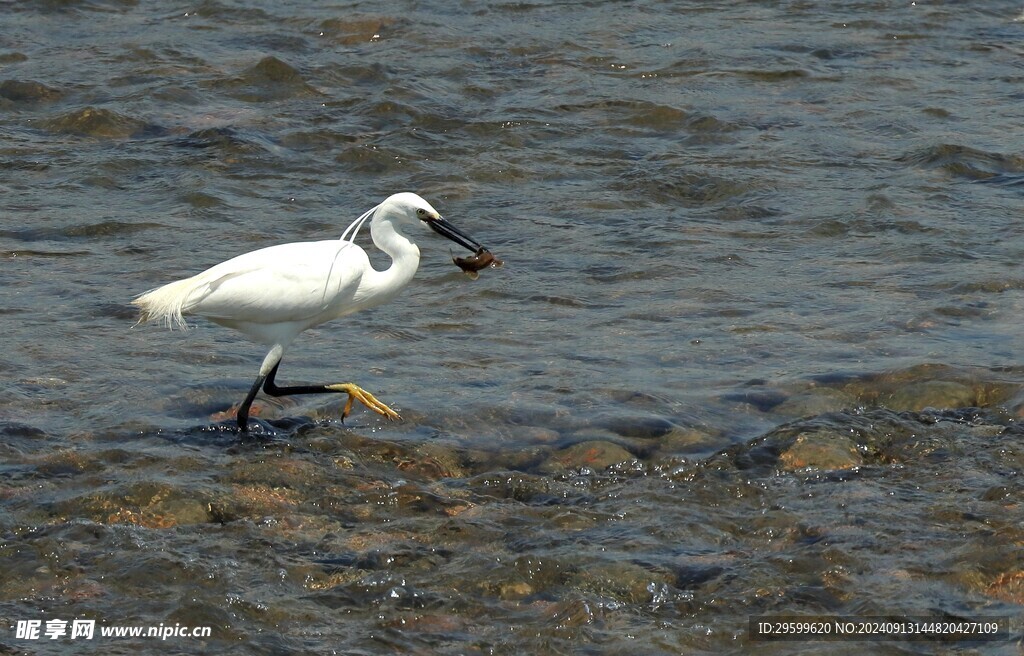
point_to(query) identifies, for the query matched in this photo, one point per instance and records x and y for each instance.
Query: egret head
(411, 213)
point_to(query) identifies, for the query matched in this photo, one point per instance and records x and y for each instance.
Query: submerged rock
(640, 427)
(93, 122)
(816, 401)
(1009, 587)
(594, 454)
(686, 440)
(827, 451)
(623, 581)
(27, 91)
(846, 440)
(929, 394)
(432, 461)
(154, 505)
(267, 80)
(525, 576)
(913, 389)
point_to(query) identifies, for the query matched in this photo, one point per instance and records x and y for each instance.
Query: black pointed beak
(445, 229)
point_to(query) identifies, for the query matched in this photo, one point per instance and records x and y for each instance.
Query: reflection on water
(753, 349)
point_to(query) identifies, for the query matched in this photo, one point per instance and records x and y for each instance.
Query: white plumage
(275, 293)
(259, 292)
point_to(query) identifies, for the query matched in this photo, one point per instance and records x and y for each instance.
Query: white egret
(273, 294)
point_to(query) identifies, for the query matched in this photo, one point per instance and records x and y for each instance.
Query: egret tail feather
(165, 304)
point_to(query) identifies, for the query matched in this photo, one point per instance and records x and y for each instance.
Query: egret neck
(378, 287)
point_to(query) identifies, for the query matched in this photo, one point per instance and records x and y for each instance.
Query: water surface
(716, 220)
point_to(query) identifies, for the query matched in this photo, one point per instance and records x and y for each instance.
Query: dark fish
(481, 260)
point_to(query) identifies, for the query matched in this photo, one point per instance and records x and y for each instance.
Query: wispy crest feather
(357, 225)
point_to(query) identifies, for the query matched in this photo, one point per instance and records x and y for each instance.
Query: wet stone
(929, 394)
(686, 440)
(832, 441)
(279, 472)
(93, 122)
(253, 501)
(815, 401)
(526, 576)
(523, 459)
(1008, 587)
(826, 451)
(183, 511)
(514, 590)
(541, 572)
(519, 486)
(573, 613)
(1015, 404)
(638, 427)
(147, 504)
(622, 581)
(991, 393)
(596, 455)
(698, 571)
(227, 142)
(11, 429)
(269, 79)
(27, 91)
(407, 500)
(67, 462)
(432, 461)
(930, 446)
(1000, 493)
(439, 624)
(764, 400)
(506, 586)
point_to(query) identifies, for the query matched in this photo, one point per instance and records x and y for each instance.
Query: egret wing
(286, 283)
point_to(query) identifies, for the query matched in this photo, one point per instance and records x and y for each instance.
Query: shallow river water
(755, 348)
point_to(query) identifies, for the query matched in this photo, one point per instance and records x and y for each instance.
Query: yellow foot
(356, 393)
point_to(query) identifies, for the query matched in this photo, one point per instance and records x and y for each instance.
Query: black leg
(271, 388)
(267, 383)
(243, 410)
(355, 393)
